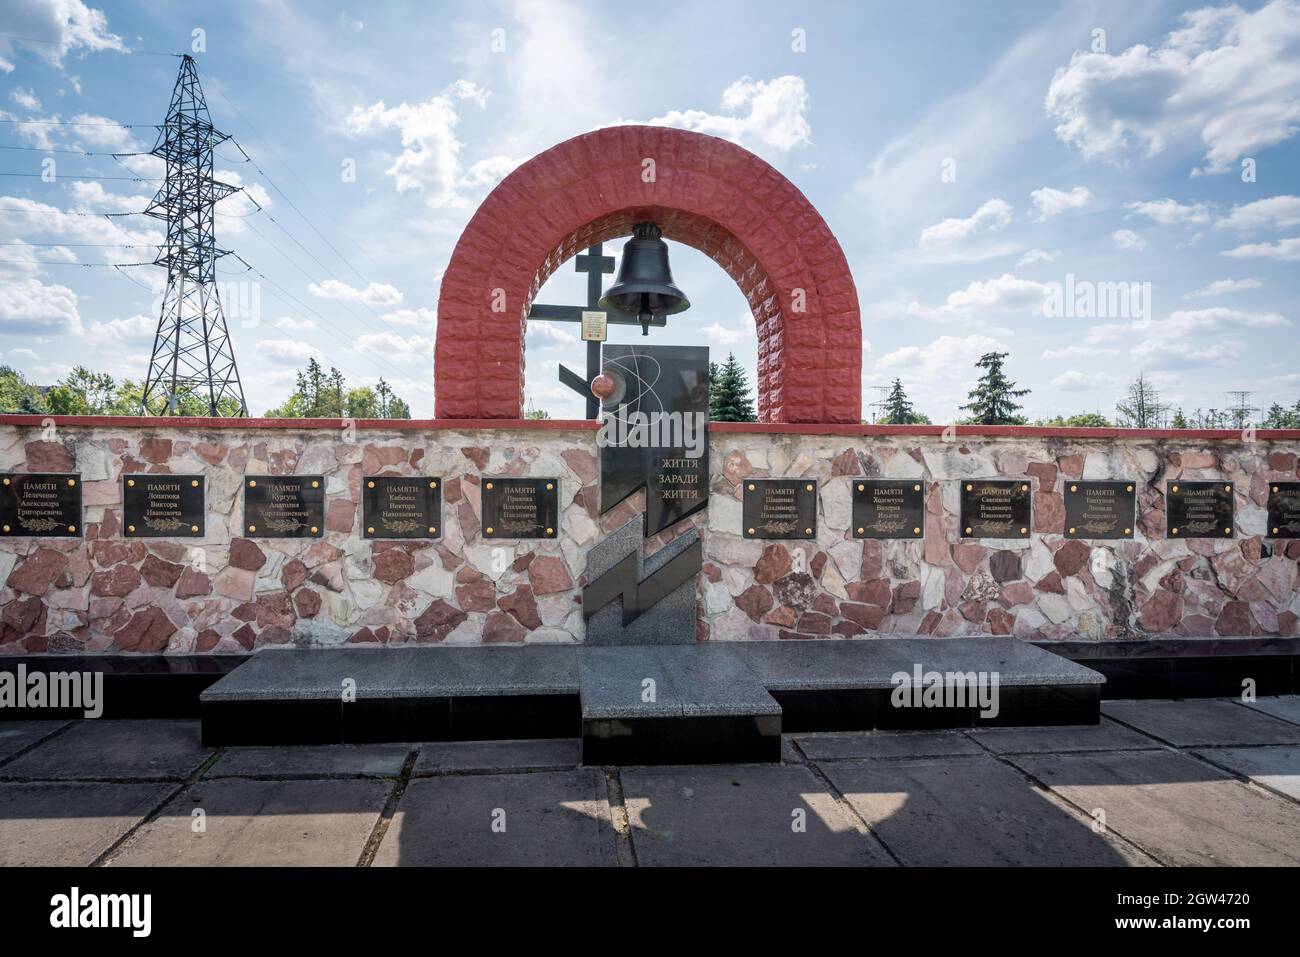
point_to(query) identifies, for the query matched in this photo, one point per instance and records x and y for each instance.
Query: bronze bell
(644, 285)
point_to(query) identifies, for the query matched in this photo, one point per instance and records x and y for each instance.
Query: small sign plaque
(888, 509)
(1284, 509)
(595, 327)
(40, 505)
(780, 508)
(162, 506)
(284, 506)
(1100, 509)
(520, 507)
(1199, 509)
(994, 509)
(401, 506)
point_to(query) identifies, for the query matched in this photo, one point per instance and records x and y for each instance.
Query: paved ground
(1157, 783)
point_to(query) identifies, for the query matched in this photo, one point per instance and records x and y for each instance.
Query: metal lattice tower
(192, 353)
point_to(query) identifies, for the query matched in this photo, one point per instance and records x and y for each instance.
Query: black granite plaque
(284, 506)
(42, 505)
(1199, 509)
(1284, 509)
(888, 509)
(162, 506)
(654, 430)
(780, 508)
(994, 509)
(401, 506)
(1099, 509)
(520, 507)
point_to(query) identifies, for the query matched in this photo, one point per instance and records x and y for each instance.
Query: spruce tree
(992, 398)
(898, 408)
(729, 399)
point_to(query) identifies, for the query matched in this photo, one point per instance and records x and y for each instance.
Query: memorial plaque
(994, 509)
(1284, 509)
(1199, 509)
(284, 506)
(162, 506)
(401, 506)
(1100, 509)
(894, 509)
(520, 507)
(780, 508)
(41, 505)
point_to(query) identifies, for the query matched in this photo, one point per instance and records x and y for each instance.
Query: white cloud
(375, 293)
(1078, 352)
(292, 352)
(722, 335)
(550, 334)
(395, 348)
(25, 98)
(292, 324)
(1185, 321)
(1127, 239)
(994, 214)
(29, 306)
(1276, 212)
(1157, 354)
(58, 26)
(1052, 202)
(1005, 294)
(938, 375)
(1228, 82)
(767, 113)
(1284, 250)
(1036, 256)
(1072, 381)
(412, 317)
(119, 331)
(1170, 212)
(1221, 287)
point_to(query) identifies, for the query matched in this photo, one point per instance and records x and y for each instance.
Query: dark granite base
(1188, 667)
(829, 710)
(715, 739)
(271, 722)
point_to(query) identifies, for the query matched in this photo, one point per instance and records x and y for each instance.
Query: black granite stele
(284, 506)
(520, 507)
(401, 506)
(1199, 509)
(163, 506)
(40, 505)
(1100, 510)
(1284, 510)
(888, 509)
(779, 508)
(994, 509)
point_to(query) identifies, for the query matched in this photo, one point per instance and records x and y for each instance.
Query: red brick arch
(707, 193)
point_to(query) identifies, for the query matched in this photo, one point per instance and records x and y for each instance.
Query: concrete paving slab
(1285, 707)
(1107, 736)
(970, 811)
(313, 761)
(69, 825)
(1207, 722)
(457, 756)
(1275, 768)
(885, 744)
(261, 823)
(542, 819)
(143, 750)
(16, 735)
(1175, 807)
(742, 815)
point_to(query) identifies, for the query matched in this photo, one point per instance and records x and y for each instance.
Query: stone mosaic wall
(227, 593)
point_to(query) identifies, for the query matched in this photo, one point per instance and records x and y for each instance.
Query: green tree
(325, 395)
(1179, 420)
(1280, 417)
(1083, 420)
(992, 399)
(729, 393)
(17, 395)
(82, 392)
(898, 408)
(1142, 408)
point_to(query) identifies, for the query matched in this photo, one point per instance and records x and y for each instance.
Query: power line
(133, 179)
(114, 125)
(60, 262)
(50, 149)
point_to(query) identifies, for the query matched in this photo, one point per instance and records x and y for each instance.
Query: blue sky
(966, 156)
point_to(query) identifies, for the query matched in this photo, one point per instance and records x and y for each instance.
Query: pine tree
(898, 408)
(729, 398)
(991, 399)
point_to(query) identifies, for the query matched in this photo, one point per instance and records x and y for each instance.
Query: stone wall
(227, 593)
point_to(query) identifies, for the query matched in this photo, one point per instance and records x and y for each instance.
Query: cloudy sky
(967, 156)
